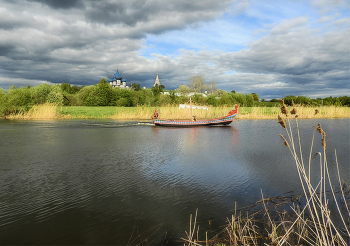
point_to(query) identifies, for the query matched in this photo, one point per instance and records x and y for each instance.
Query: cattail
(294, 111)
(319, 129)
(323, 141)
(285, 141)
(323, 134)
(316, 111)
(284, 108)
(281, 122)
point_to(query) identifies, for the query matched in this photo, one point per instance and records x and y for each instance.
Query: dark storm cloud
(60, 4)
(82, 41)
(132, 12)
(6, 49)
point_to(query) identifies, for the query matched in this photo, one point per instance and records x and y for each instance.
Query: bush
(122, 102)
(19, 97)
(82, 94)
(40, 92)
(56, 95)
(100, 95)
(211, 100)
(118, 94)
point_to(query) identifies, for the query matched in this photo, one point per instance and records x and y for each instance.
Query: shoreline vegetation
(50, 112)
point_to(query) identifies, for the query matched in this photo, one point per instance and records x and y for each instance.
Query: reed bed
(172, 112)
(51, 111)
(305, 220)
(39, 112)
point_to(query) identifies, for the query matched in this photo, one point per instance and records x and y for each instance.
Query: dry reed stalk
(284, 108)
(282, 122)
(43, 112)
(321, 227)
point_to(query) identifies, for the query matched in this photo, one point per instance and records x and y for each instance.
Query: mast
(190, 108)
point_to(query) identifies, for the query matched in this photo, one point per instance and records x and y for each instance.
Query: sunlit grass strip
(85, 112)
(171, 112)
(50, 111)
(46, 111)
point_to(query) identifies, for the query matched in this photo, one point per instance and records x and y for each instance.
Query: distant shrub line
(22, 99)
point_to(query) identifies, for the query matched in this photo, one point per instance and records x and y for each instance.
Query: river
(104, 182)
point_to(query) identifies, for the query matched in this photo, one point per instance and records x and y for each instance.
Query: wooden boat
(225, 120)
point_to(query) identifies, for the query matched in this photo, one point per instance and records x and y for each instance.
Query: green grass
(88, 112)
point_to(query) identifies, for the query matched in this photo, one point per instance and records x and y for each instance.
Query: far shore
(49, 112)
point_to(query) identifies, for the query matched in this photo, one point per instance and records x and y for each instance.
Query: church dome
(117, 75)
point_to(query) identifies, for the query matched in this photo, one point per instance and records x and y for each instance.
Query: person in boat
(194, 118)
(155, 114)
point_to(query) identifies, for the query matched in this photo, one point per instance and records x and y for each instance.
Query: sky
(272, 48)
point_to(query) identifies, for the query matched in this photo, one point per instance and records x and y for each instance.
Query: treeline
(102, 94)
(336, 101)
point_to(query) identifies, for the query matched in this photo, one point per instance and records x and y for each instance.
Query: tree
(66, 87)
(196, 83)
(183, 89)
(288, 100)
(19, 97)
(83, 93)
(211, 100)
(122, 98)
(212, 87)
(56, 95)
(157, 89)
(76, 89)
(136, 87)
(256, 97)
(220, 92)
(40, 92)
(100, 95)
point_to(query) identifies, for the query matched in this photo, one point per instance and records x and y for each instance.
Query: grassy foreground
(49, 111)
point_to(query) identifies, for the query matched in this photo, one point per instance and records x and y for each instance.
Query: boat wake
(145, 123)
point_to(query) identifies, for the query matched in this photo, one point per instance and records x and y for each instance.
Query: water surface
(105, 182)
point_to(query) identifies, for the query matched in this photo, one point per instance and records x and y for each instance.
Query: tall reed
(308, 224)
(45, 111)
(321, 228)
(173, 112)
(51, 111)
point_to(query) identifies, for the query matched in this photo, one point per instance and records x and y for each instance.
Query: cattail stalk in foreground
(322, 228)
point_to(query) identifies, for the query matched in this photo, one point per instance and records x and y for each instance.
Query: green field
(87, 112)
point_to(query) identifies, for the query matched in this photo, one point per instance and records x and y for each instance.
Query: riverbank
(49, 112)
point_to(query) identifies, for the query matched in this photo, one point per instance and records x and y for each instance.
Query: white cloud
(288, 25)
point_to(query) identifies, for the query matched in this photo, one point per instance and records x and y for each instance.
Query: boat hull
(226, 120)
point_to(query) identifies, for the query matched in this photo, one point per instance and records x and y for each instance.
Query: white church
(118, 81)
